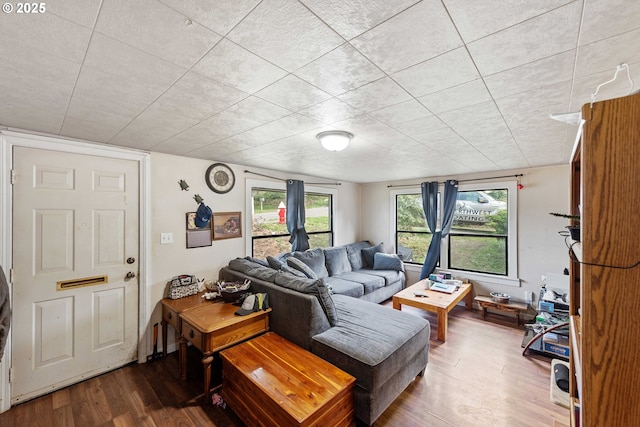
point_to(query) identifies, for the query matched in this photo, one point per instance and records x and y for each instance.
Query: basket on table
(233, 291)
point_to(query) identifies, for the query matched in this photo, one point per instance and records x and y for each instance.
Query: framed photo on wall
(227, 225)
(197, 237)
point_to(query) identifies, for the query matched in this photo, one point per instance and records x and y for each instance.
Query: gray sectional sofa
(384, 349)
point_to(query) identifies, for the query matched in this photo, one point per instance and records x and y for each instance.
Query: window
(482, 238)
(412, 236)
(269, 234)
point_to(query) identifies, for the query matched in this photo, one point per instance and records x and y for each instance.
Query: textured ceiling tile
(542, 36)
(199, 97)
(80, 122)
(255, 110)
(599, 15)
(218, 15)
(45, 32)
(431, 137)
(281, 128)
(418, 127)
(409, 37)
(83, 12)
(125, 62)
(456, 97)
(350, 18)
(585, 86)
(544, 72)
(340, 70)
(330, 111)
(476, 19)
(604, 55)
(401, 113)
(374, 96)
(166, 33)
(478, 123)
(447, 70)
(368, 128)
(293, 93)
(230, 64)
(286, 33)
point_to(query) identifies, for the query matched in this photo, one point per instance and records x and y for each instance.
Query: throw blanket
(5, 311)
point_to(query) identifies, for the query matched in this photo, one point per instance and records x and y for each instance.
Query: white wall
(540, 249)
(169, 204)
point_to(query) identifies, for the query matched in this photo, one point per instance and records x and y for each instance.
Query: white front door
(75, 238)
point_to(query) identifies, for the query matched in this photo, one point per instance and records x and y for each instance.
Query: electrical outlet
(166, 238)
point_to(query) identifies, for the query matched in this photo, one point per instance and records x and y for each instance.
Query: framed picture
(197, 237)
(227, 225)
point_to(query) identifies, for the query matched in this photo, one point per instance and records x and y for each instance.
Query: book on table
(442, 287)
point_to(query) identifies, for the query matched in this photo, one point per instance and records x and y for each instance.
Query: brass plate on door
(79, 283)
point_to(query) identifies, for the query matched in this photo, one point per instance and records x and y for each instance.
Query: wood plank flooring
(477, 378)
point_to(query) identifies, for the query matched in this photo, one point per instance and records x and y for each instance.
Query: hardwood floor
(477, 378)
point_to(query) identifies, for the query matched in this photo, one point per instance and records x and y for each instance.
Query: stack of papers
(441, 287)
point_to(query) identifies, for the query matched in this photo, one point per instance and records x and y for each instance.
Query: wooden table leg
(164, 338)
(206, 362)
(468, 300)
(396, 303)
(443, 319)
(183, 358)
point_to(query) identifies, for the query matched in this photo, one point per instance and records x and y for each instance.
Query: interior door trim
(13, 138)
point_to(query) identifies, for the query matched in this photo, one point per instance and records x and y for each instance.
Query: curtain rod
(460, 180)
(285, 180)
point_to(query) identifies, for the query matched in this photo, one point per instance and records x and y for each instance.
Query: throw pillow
(296, 264)
(354, 253)
(314, 258)
(260, 261)
(274, 263)
(368, 253)
(382, 261)
(326, 301)
(293, 271)
(337, 260)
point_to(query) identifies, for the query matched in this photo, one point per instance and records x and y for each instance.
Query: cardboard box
(558, 349)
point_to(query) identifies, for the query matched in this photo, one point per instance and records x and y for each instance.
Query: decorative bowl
(233, 291)
(500, 297)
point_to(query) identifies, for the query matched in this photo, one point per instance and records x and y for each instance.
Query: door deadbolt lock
(131, 260)
(130, 275)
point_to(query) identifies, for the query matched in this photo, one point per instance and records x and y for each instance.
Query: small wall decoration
(227, 225)
(197, 237)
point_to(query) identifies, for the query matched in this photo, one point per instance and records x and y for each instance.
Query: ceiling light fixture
(334, 140)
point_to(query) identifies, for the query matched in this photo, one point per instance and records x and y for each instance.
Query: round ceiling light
(334, 140)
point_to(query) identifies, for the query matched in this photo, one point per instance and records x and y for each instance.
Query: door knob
(130, 275)
(131, 260)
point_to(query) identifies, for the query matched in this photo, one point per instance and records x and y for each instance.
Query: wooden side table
(171, 309)
(506, 307)
(214, 327)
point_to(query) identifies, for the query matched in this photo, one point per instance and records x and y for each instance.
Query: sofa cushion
(367, 347)
(368, 254)
(314, 258)
(313, 287)
(336, 260)
(345, 287)
(369, 281)
(262, 262)
(296, 264)
(286, 267)
(243, 265)
(382, 261)
(390, 276)
(263, 273)
(355, 255)
(274, 263)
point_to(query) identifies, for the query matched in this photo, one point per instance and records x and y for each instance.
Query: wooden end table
(506, 307)
(171, 309)
(271, 382)
(436, 302)
(214, 327)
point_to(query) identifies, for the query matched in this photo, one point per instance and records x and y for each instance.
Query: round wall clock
(220, 178)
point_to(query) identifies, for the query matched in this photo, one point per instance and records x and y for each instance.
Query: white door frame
(10, 139)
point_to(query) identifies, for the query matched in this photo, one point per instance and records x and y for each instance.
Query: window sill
(475, 277)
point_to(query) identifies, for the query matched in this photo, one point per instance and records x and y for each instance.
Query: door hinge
(13, 176)
(10, 375)
(11, 275)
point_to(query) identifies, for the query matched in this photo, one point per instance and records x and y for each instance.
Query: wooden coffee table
(436, 302)
(211, 328)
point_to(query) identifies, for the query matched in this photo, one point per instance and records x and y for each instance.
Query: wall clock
(220, 178)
